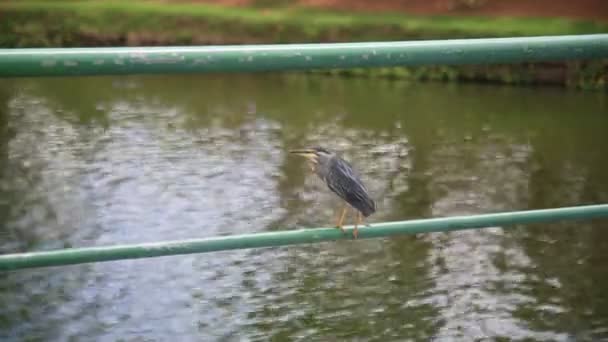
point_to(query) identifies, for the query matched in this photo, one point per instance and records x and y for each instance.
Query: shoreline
(145, 23)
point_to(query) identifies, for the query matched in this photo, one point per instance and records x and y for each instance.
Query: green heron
(343, 180)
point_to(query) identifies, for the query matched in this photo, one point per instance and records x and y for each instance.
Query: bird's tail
(368, 207)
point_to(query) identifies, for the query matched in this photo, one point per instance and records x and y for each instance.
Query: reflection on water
(100, 161)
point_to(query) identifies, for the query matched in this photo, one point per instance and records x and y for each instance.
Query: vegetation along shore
(136, 23)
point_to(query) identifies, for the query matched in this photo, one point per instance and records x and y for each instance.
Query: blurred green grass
(30, 23)
(188, 21)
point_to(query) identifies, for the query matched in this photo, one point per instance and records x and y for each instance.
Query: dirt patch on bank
(578, 9)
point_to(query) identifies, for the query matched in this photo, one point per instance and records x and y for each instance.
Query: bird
(342, 179)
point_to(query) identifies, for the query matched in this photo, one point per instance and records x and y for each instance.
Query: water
(102, 161)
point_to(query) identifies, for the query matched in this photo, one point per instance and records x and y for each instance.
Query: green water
(101, 161)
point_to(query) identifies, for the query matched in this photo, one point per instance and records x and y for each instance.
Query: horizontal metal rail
(73, 256)
(283, 57)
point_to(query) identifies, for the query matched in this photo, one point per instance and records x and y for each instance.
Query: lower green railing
(73, 256)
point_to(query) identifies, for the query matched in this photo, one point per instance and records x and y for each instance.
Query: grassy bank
(113, 23)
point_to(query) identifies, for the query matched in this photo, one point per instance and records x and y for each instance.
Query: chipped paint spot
(138, 55)
(374, 52)
(342, 57)
(365, 56)
(48, 63)
(70, 63)
(308, 58)
(250, 59)
(168, 59)
(118, 61)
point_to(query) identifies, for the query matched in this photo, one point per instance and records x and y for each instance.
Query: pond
(111, 160)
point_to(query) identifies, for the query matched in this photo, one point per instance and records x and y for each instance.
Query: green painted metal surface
(283, 238)
(249, 58)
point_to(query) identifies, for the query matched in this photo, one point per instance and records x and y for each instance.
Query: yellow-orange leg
(357, 223)
(340, 222)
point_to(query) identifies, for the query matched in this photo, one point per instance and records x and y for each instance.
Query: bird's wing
(346, 183)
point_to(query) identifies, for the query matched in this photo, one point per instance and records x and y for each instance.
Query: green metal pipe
(73, 256)
(248, 58)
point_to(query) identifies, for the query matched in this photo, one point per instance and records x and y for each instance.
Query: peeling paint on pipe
(286, 57)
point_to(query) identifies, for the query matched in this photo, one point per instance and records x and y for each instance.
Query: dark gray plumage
(344, 181)
(341, 178)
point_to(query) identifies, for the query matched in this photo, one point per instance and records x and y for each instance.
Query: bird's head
(316, 155)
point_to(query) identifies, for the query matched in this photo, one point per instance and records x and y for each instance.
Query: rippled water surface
(102, 161)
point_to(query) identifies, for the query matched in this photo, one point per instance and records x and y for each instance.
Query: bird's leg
(357, 223)
(340, 222)
(337, 215)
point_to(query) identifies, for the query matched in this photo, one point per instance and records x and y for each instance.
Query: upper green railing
(247, 58)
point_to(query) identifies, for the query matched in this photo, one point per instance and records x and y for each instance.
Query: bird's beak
(307, 153)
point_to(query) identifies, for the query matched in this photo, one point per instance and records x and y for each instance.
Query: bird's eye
(322, 150)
